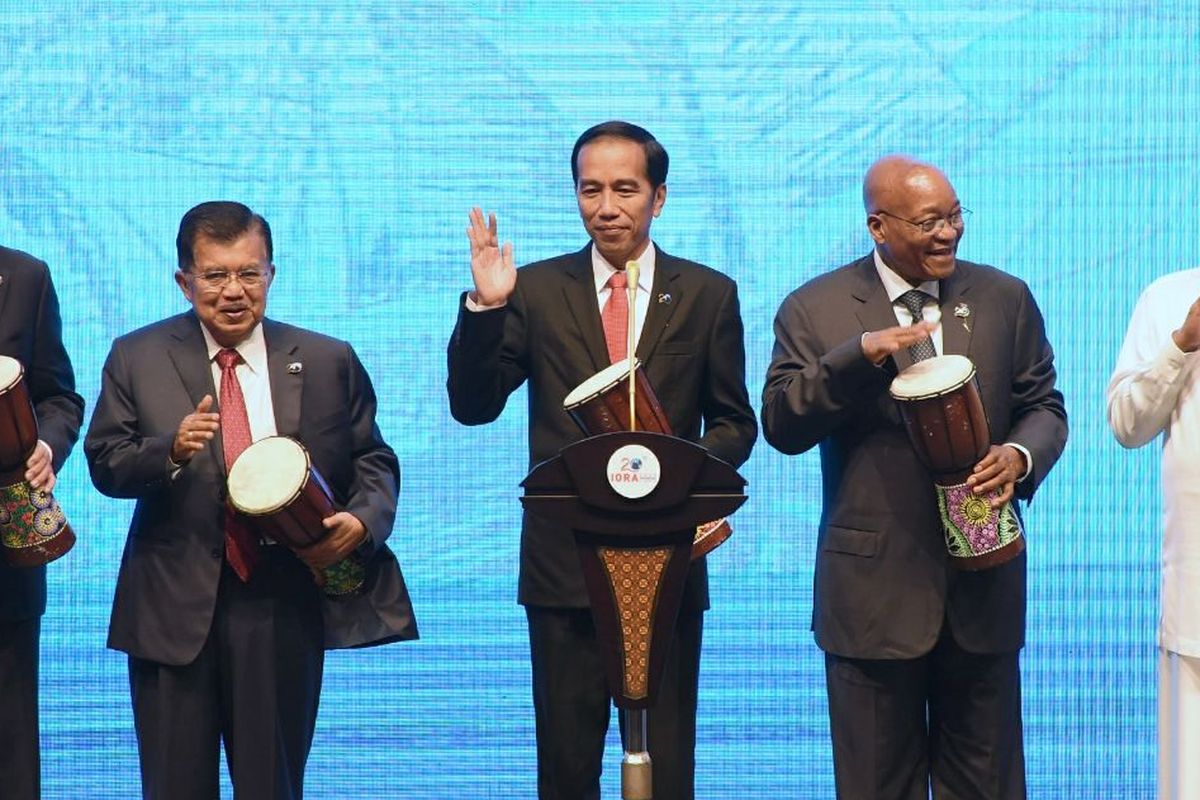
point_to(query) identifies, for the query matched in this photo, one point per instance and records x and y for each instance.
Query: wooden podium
(633, 500)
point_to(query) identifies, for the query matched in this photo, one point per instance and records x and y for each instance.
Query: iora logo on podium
(633, 471)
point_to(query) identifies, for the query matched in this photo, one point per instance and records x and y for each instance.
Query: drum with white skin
(601, 405)
(274, 483)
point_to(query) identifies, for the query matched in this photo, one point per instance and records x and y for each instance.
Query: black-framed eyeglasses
(956, 219)
(214, 280)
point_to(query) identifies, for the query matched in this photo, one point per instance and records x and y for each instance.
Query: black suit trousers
(949, 721)
(573, 706)
(20, 760)
(255, 685)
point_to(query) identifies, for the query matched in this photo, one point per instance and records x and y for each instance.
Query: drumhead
(10, 372)
(932, 377)
(267, 475)
(599, 383)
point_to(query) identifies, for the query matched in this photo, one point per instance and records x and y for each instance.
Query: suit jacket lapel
(876, 312)
(286, 373)
(4, 278)
(670, 289)
(189, 354)
(579, 291)
(958, 319)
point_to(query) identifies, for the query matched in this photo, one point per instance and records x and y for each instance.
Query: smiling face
(616, 201)
(916, 192)
(231, 311)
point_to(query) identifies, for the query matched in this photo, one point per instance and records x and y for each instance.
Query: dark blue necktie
(914, 301)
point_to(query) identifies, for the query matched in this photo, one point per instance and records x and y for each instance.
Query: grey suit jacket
(883, 582)
(31, 332)
(167, 586)
(550, 334)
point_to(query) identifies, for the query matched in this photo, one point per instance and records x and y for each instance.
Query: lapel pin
(962, 311)
(665, 298)
(295, 368)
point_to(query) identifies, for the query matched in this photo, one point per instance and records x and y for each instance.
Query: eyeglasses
(957, 219)
(214, 280)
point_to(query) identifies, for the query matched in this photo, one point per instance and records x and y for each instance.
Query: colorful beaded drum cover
(973, 528)
(32, 525)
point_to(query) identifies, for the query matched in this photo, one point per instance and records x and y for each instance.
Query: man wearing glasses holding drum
(225, 626)
(920, 572)
(31, 334)
(549, 323)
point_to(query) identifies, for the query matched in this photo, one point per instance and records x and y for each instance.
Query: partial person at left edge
(224, 627)
(31, 332)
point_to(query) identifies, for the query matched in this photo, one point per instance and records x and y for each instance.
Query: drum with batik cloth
(942, 410)
(33, 528)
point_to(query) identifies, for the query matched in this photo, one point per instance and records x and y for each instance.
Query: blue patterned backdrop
(365, 131)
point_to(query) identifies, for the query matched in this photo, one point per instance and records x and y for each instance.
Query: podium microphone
(631, 282)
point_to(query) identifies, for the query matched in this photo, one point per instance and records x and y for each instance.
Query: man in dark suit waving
(31, 332)
(543, 323)
(225, 630)
(921, 660)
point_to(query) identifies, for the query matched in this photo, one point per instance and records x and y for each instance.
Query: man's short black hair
(221, 221)
(657, 160)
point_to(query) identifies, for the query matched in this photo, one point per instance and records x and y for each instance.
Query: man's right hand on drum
(39, 468)
(492, 267)
(878, 345)
(196, 430)
(998, 471)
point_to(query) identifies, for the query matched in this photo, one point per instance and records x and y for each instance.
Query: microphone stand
(636, 769)
(631, 278)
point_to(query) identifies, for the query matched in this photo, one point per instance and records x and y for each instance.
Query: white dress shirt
(1155, 388)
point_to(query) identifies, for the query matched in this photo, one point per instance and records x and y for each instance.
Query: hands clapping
(196, 430)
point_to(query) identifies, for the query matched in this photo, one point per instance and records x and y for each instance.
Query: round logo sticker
(633, 471)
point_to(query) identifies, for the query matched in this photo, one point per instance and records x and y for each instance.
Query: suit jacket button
(215, 553)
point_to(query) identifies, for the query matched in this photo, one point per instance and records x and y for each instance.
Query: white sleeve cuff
(474, 306)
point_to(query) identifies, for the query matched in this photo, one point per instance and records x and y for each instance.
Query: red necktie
(241, 545)
(615, 318)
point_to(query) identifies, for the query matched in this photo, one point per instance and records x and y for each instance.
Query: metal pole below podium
(636, 770)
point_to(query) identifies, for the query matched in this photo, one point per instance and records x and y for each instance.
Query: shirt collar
(252, 349)
(895, 285)
(602, 270)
